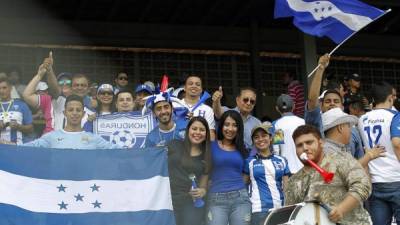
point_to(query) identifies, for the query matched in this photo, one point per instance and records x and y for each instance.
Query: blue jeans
(384, 203)
(258, 218)
(233, 208)
(186, 213)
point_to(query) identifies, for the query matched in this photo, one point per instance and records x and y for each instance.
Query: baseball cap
(355, 77)
(284, 102)
(151, 85)
(263, 126)
(143, 87)
(64, 74)
(104, 87)
(41, 86)
(336, 116)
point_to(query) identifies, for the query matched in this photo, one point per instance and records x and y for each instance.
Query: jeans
(233, 208)
(384, 203)
(186, 213)
(258, 218)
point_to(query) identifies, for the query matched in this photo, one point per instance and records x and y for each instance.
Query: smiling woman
(189, 159)
(228, 190)
(267, 173)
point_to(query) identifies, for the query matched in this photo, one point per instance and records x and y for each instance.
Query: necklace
(5, 112)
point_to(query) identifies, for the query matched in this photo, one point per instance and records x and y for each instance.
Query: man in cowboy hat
(337, 127)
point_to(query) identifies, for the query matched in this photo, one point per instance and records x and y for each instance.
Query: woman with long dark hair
(228, 199)
(189, 159)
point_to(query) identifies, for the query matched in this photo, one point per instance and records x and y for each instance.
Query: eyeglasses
(105, 93)
(64, 82)
(252, 101)
(122, 78)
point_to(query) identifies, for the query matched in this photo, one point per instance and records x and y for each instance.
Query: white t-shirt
(287, 124)
(203, 110)
(378, 127)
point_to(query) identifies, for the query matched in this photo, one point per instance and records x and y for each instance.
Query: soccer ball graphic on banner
(123, 138)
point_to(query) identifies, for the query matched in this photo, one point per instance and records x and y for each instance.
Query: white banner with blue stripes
(128, 130)
(74, 187)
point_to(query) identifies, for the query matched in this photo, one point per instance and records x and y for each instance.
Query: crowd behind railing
(244, 168)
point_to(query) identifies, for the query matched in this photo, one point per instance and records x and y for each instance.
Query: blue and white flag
(84, 187)
(336, 19)
(125, 129)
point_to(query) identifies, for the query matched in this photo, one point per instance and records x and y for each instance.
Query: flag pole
(341, 43)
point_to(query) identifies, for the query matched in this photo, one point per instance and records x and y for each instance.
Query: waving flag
(74, 187)
(336, 19)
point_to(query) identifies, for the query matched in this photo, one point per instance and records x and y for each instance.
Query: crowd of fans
(244, 167)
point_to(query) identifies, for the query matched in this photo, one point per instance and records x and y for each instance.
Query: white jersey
(287, 124)
(378, 127)
(203, 110)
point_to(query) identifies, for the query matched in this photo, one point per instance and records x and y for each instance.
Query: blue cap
(143, 87)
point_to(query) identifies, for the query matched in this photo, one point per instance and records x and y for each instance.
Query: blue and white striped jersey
(266, 175)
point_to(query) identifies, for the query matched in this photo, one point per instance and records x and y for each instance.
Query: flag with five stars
(336, 19)
(74, 187)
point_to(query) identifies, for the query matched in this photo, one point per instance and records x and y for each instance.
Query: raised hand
(324, 61)
(49, 62)
(218, 94)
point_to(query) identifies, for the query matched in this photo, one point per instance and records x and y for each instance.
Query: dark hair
(205, 147)
(380, 91)
(306, 129)
(121, 92)
(187, 76)
(333, 84)
(74, 98)
(356, 103)
(239, 139)
(80, 75)
(246, 89)
(119, 72)
(153, 106)
(332, 91)
(271, 148)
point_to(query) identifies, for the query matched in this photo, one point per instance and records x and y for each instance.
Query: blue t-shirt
(227, 170)
(14, 110)
(158, 137)
(73, 140)
(266, 175)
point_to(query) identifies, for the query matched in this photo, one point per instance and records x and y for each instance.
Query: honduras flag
(84, 187)
(336, 19)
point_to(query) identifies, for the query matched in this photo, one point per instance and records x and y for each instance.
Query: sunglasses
(122, 78)
(64, 82)
(246, 100)
(105, 93)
